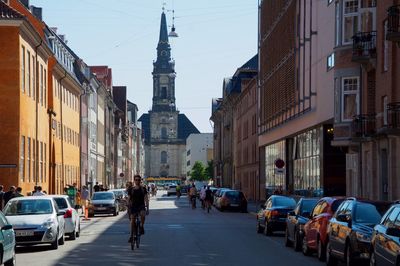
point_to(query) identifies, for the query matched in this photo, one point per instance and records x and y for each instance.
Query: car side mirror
(60, 213)
(393, 231)
(6, 227)
(306, 214)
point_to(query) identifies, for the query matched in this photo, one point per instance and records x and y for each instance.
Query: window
(23, 69)
(164, 133)
(164, 157)
(385, 48)
(29, 74)
(163, 92)
(45, 87)
(33, 78)
(330, 62)
(45, 159)
(41, 161)
(34, 157)
(29, 158)
(22, 159)
(350, 88)
(41, 85)
(350, 20)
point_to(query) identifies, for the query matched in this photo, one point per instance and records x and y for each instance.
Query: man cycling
(139, 204)
(208, 198)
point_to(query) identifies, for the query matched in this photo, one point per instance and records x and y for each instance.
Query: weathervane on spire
(163, 8)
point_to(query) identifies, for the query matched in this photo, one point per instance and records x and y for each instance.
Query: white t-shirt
(38, 193)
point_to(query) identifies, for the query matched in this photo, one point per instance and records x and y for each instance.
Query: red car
(315, 230)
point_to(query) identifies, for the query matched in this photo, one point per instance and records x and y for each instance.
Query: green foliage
(198, 172)
(209, 171)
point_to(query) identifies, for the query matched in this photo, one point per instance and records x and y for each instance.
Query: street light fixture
(173, 33)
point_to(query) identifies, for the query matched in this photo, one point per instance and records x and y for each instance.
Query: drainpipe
(37, 112)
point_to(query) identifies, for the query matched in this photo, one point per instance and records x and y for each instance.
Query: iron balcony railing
(363, 126)
(393, 30)
(393, 110)
(364, 46)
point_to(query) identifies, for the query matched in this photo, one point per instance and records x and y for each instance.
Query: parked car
(218, 194)
(36, 220)
(122, 197)
(315, 230)
(296, 220)
(103, 202)
(385, 240)
(71, 216)
(272, 215)
(232, 200)
(7, 242)
(350, 230)
(171, 190)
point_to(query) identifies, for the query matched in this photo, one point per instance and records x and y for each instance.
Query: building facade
(164, 127)
(367, 96)
(295, 105)
(199, 148)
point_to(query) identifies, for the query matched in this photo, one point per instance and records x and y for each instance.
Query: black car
(385, 241)
(350, 230)
(295, 221)
(272, 216)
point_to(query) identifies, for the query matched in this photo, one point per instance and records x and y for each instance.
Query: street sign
(279, 163)
(279, 171)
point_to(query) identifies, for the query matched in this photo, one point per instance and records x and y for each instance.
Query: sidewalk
(254, 206)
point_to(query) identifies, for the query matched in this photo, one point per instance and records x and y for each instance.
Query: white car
(171, 190)
(36, 220)
(71, 216)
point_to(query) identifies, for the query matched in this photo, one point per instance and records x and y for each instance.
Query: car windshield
(103, 196)
(369, 213)
(233, 194)
(285, 202)
(61, 203)
(308, 205)
(29, 207)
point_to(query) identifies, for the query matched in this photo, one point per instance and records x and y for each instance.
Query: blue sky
(215, 38)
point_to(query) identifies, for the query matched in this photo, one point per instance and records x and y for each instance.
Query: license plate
(101, 208)
(235, 205)
(24, 233)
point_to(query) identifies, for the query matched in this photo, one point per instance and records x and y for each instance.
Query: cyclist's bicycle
(136, 237)
(193, 200)
(208, 205)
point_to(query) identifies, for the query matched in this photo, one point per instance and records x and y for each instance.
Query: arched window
(164, 133)
(163, 157)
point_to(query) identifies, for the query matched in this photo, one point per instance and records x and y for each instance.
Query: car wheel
(12, 261)
(73, 235)
(330, 260)
(297, 241)
(267, 229)
(372, 260)
(61, 241)
(54, 244)
(305, 248)
(321, 253)
(115, 213)
(288, 243)
(349, 255)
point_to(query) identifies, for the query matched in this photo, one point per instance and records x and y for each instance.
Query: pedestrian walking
(84, 198)
(18, 192)
(38, 191)
(9, 195)
(96, 187)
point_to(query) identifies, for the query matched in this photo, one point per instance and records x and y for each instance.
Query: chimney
(63, 38)
(25, 3)
(36, 11)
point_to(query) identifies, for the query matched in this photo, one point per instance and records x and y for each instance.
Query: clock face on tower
(163, 53)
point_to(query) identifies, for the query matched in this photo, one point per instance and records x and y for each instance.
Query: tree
(198, 172)
(209, 171)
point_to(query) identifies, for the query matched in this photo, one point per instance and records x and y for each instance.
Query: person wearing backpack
(139, 205)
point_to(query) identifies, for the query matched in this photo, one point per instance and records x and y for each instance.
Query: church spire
(163, 30)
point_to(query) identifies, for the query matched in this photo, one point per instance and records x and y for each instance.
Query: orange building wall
(9, 103)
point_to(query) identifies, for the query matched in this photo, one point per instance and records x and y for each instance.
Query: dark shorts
(135, 210)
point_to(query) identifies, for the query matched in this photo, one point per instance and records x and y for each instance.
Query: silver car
(103, 202)
(71, 217)
(36, 220)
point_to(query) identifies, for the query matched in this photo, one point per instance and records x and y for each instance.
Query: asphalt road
(175, 235)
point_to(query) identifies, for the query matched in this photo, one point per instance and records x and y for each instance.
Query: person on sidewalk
(139, 205)
(38, 191)
(9, 195)
(18, 192)
(84, 198)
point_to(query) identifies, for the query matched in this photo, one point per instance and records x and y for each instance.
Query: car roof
(31, 198)
(103, 192)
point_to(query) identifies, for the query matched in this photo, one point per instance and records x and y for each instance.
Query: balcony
(393, 30)
(364, 47)
(363, 127)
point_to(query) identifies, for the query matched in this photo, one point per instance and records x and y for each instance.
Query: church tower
(165, 128)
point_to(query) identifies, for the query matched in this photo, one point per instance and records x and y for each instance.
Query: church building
(165, 128)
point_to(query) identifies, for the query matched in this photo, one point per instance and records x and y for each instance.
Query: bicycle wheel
(138, 240)
(137, 237)
(133, 244)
